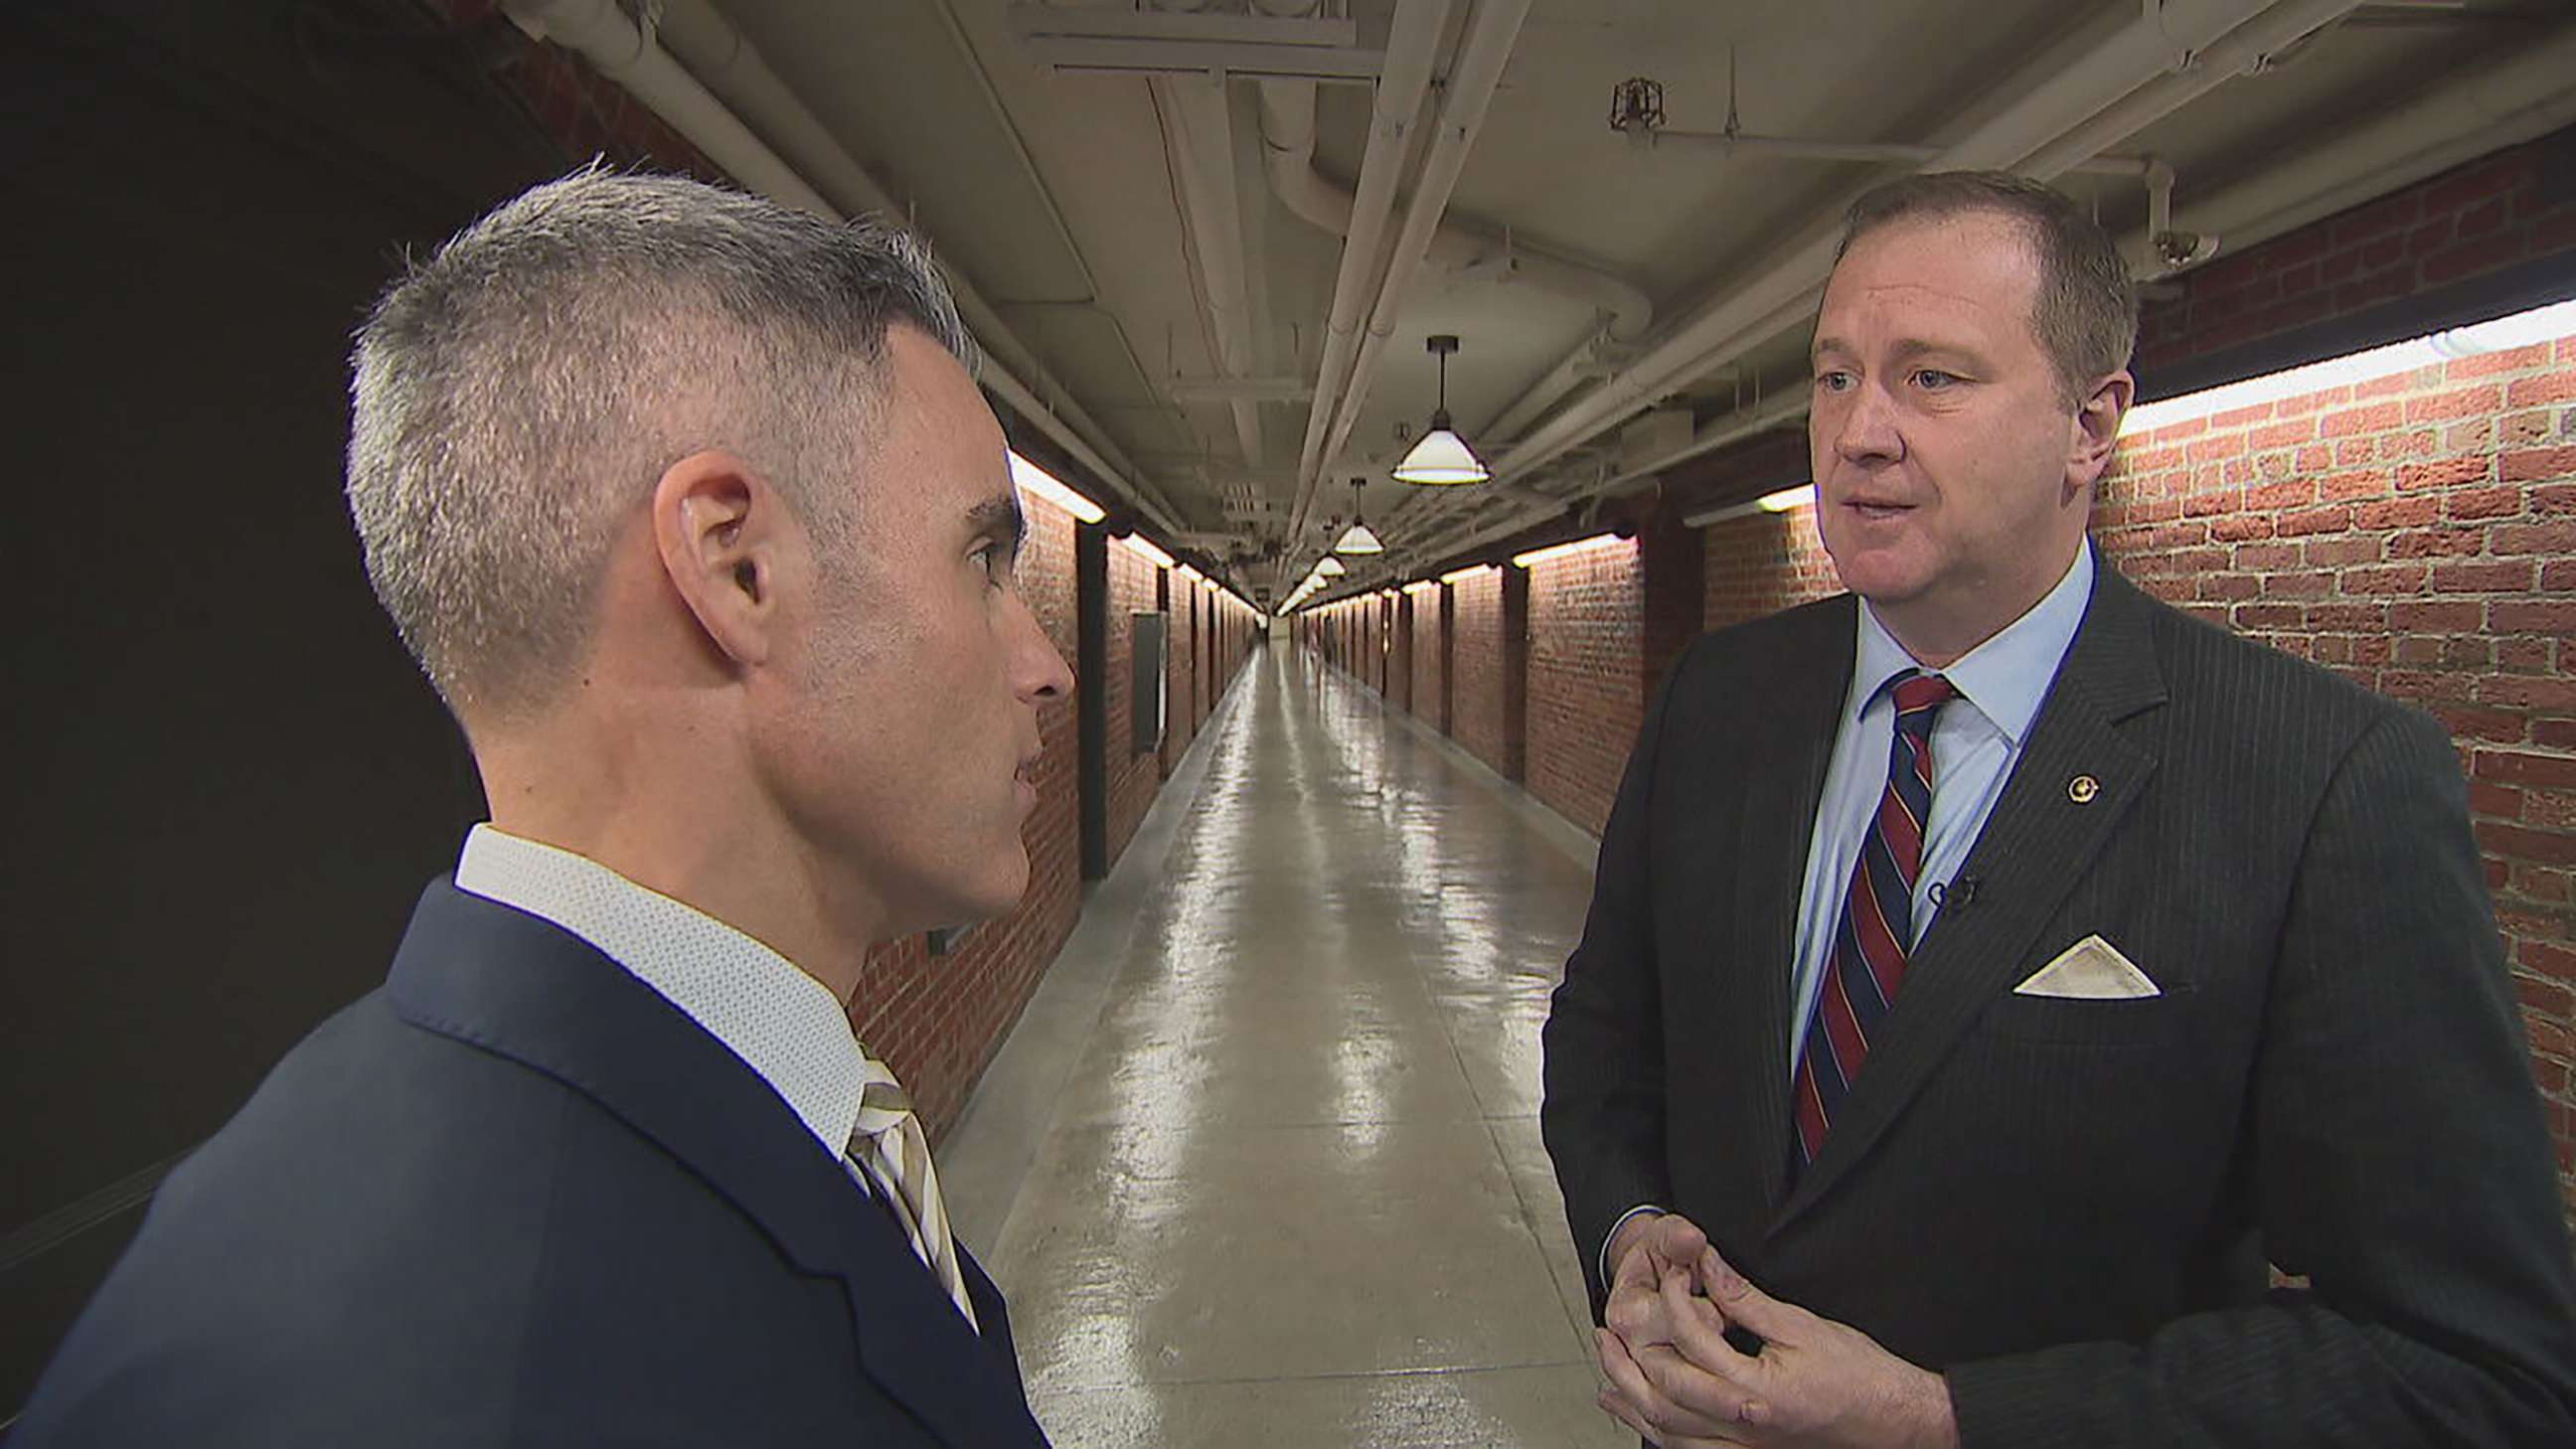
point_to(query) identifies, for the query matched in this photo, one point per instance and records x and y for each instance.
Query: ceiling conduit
(1491, 33)
(1403, 87)
(1198, 140)
(1288, 149)
(603, 34)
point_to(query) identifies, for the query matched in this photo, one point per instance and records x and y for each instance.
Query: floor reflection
(1293, 1193)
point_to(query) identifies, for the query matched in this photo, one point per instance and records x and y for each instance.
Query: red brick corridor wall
(1133, 778)
(1180, 673)
(1426, 656)
(1586, 677)
(1762, 563)
(1477, 721)
(1399, 651)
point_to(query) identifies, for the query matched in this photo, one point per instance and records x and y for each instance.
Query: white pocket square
(2090, 970)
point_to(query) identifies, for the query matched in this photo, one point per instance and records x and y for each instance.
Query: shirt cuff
(1612, 1236)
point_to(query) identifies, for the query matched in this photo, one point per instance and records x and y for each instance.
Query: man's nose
(1867, 431)
(1042, 676)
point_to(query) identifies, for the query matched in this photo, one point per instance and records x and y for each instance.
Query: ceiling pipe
(2246, 50)
(1491, 33)
(1288, 152)
(2165, 41)
(1403, 89)
(612, 42)
(1198, 139)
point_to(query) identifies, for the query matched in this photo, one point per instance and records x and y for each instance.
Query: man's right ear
(717, 527)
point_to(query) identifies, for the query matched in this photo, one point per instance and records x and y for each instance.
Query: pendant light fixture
(1357, 538)
(1442, 458)
(1331, 567)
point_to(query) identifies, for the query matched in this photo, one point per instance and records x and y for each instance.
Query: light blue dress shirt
(1976, 740)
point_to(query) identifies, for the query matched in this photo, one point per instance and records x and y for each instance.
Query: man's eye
(996, 563)
(1934, 378)
(1833, 381)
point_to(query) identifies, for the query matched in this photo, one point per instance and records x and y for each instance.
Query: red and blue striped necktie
(1875, 928)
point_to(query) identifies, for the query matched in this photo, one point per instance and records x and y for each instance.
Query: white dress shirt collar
(786, 1026)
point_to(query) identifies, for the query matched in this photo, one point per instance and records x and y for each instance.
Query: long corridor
(1288, 1189)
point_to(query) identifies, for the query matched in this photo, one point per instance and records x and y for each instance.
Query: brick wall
(1762, 563)
(1586, 670)
(1180, 669)
(1372, 618)
(1426, 652)
(1672, 562)
(1399, 653)
(2418, 534)
(1477, 721)
(1133, 778)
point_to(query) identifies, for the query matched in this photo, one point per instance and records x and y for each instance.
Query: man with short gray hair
(690, 510)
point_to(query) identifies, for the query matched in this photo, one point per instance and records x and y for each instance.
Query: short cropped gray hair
(516, 397)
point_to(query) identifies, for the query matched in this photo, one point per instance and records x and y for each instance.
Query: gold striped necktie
(888, 1145)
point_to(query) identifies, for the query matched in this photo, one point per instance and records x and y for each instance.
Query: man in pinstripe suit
(2000, 969)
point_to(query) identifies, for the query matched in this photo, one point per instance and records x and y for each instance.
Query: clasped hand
(1676, 1380)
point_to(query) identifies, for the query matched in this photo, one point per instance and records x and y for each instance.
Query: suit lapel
(1789, 744)
(511, 983)
(2035, 847)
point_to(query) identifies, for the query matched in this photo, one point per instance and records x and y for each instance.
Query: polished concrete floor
(1262, 1164)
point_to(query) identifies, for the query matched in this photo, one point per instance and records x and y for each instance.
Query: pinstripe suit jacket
(2068, 1206)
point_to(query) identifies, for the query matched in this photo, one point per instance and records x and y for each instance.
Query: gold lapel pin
(2082, 789)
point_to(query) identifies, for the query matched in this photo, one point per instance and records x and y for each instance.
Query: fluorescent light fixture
(1456, 576)
(2540, 324)
(1143, 548)
(1421, 586)
(1802, 496)
(1441, 459)
(1033, 479)
(1186, 574)
(1331, 567)
(1566, 550)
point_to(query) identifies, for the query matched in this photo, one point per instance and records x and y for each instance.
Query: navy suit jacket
(516, 1197)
